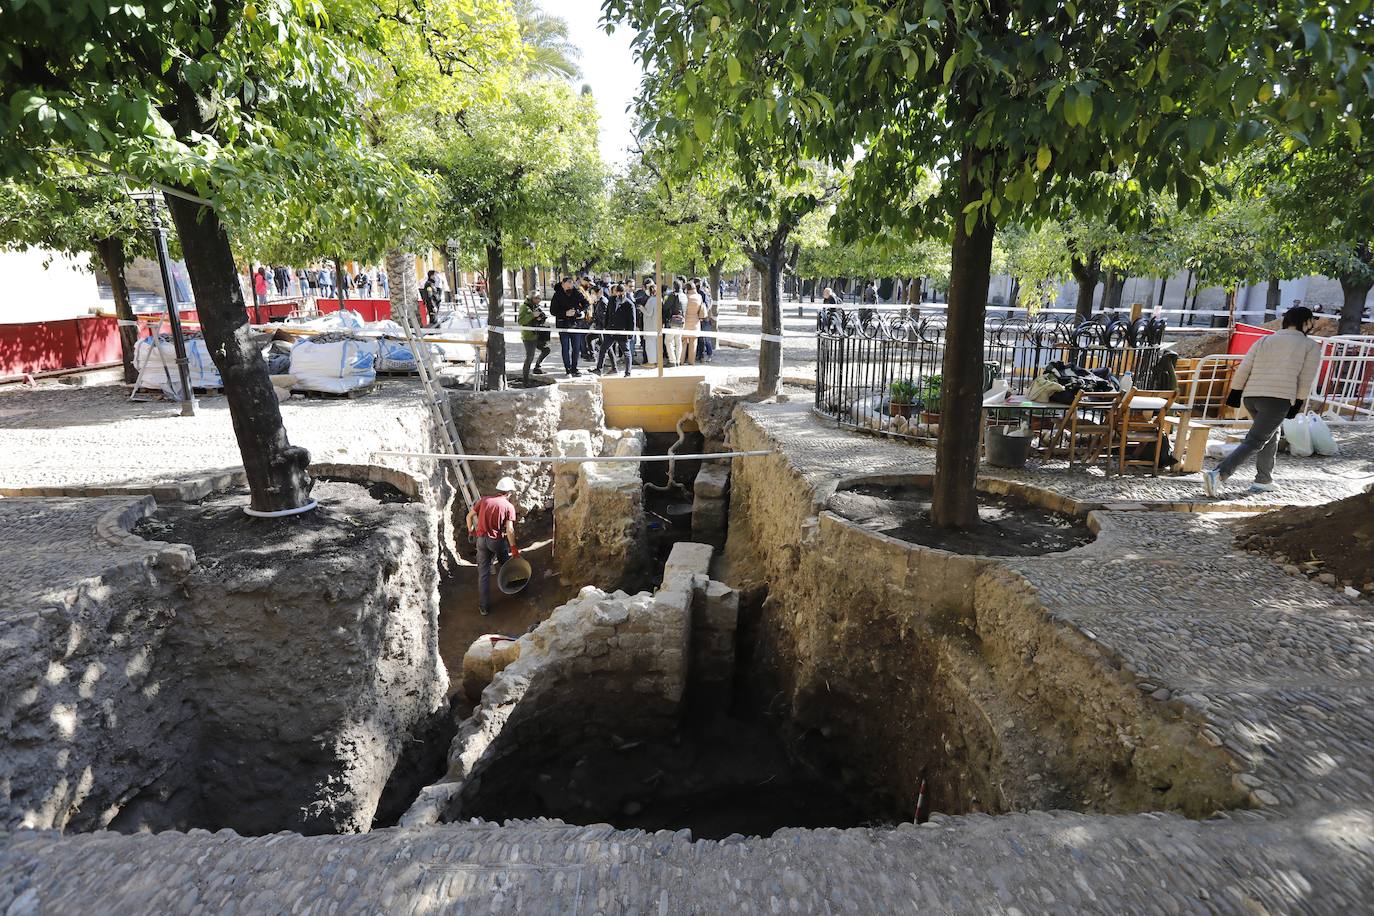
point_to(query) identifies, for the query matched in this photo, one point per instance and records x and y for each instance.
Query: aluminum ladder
(440, 410)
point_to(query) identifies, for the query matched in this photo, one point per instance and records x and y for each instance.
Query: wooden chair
(1139, 426)
(1088, 427)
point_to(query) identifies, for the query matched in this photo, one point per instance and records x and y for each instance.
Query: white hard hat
(505, 485)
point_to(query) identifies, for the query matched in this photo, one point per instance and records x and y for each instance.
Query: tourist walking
(691, 321)
(491, 523)
(569, 306)
(429, 298)
(260, 286)
(532, 315)
(1272, 381)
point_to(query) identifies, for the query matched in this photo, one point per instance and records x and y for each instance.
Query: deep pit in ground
(715, 777)
(308, 654)
(1008, 525)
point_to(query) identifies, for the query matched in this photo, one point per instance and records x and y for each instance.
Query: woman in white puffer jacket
(1274, 379)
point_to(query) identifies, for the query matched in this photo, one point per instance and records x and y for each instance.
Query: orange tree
(1018, 109)
(215, 101)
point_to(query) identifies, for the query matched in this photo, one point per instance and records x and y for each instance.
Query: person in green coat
(531, 317)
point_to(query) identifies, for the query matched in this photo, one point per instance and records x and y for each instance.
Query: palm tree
(546, 38)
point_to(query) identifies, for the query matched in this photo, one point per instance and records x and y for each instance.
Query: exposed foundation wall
(599, 525)
(600, 665)
(309, 671)
(898, 663)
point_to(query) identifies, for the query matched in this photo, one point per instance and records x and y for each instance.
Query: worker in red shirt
(492, 524)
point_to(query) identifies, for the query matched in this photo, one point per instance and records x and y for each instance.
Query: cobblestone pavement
(58, 437)
(1279, 668)
(821, 450)
(1015, 863)
(50, 544)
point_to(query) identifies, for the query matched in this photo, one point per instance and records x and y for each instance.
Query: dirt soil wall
(894, 663)
(311, 655)
(91, 707)
(265, 678)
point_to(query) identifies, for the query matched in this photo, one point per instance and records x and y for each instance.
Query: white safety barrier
(1344, 386)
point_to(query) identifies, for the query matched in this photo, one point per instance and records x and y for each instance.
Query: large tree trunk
(276, 469)
(955, 503)
(405, 293)
(769, 264)
(1085, 273)
(111, 254)
(1353, 295)
(713, 278)
(496, 319)
(1354, 292)
(1112, 289)
(340, 280)
(1271, 299)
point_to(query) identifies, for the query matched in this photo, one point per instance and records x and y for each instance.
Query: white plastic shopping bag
(1298, 432)
(1323, 443)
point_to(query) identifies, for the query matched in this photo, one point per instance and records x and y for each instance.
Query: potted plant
(902, 398)
(930, 396)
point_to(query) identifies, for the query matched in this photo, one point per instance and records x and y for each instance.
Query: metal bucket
(514, 575)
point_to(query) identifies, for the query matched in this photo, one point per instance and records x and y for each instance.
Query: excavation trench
(824, 666)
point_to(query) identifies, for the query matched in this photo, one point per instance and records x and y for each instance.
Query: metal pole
(188, 399)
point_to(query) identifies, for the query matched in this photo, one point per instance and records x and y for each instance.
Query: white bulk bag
(158, 359)
(1323, 443)
(337, 366)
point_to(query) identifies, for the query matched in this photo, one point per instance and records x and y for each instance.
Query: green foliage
(69, 213)
(904, 391)
(522, 170)
(1038, 97)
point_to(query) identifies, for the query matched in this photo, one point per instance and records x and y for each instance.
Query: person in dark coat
(570, 308)
(618, 314)
(429, 297)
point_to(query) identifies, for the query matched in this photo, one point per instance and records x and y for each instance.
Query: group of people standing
(582, 308)
(320, 282)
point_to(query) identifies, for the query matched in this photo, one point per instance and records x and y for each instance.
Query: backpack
(676, 309)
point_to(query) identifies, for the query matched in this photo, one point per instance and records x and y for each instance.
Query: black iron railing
(882, 370)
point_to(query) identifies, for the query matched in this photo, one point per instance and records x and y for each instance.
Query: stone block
(709, 520)
(688, 558)
(713, 479)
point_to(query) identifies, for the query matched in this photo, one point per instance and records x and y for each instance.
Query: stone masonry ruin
(789, 667)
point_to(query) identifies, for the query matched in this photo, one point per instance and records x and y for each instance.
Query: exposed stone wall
(898, 663)
(711, 502)
(517, 421)
(601, 535)
(309, 669)
(600, 665)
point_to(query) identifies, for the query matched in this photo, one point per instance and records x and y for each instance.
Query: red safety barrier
(1244, 337)
(369, 309)
(45, 346)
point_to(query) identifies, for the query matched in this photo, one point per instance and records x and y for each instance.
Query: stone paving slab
(822, 451)
(1318, 862)
(51, 545)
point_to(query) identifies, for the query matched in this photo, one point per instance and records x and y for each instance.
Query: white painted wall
(66, 288)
